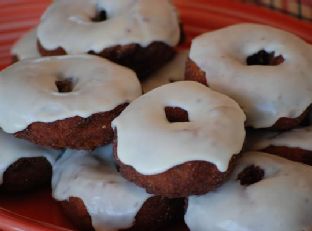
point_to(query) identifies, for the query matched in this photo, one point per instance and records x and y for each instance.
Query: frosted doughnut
(171, 72)
(26, 46)
(278, 88)
(13, 149)
(111, 201)
(265, 192)
(149, 142)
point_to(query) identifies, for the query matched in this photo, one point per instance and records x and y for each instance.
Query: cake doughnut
(135, 33)
(26, 46)
(95, 196)
(65, 101)
(294, 145)
(266, 70)
(171, 72)
(23, 165)
(179, 139)
(265, 193)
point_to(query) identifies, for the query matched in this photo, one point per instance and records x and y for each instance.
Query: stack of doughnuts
(135, 134)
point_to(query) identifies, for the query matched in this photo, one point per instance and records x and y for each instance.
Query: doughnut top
(171, 72)
(12, 149)
(26, 46)
(266, 93)
(111, 201)
(151, 144)
(68, 24)
(297, 138)
(56, 88)
(281, 201)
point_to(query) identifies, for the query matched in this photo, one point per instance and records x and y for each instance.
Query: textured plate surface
(198, 16)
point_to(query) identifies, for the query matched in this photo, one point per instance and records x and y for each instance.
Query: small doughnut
(171, 72)
(96, 197)
(65, 101)
(24, 166)
(26, 46)
(265, 193)
(295, 145)
(266, 70)
(135, 33)
(179, 139)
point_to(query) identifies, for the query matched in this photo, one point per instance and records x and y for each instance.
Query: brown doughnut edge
(194, 73)
(143, 60)
(290, 153)
(75, 132)
(156, 213)
(183, 180)
(27, 174)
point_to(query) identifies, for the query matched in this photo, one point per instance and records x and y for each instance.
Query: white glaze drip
(152, 145)
(282, 201)
(266, 93)
(297, 138)
(68, 24)
(12, 149)
(111, 201)
(28, 92)
(171, 72)
(26, 46)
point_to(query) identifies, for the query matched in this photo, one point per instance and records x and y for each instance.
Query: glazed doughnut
(135, 33)
(171, 72)
(26, 46)
(265, 193)
(24, 166)
(96, 197)
(267, 72)
(175, 144)
(65, 101)
(294, 145)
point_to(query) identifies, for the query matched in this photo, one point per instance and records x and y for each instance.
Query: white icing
(67, 24)
(297, 138)
(12, 149)
(26, 46)
(171, 72)
(282, 201)
(266, 93)
(28, 92)
(152, 145)
(111, 201)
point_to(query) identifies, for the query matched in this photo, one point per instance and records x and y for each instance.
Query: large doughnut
(295, 145)
(65, 101)
(96, 197)
(26, 46)
(266, 70)
(179, 139)
(136, 33)
(265, 193)
(24, 166)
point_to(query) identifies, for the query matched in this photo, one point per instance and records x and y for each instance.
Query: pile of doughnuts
(134, 134)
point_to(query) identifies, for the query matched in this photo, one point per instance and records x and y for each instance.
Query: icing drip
(12, 149)
(29, 91)
(128, 21)
(151, 144)
(266, 93)
(111, 201)
(281, 201)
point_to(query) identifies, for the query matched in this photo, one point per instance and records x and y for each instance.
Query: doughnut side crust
(76, 132)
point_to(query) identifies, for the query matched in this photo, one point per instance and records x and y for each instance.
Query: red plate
(37, 211)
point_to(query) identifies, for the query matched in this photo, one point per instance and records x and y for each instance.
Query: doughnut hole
(176, 114)
(250, 175)
(100, 16)
(265, 58)
(65, 85)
